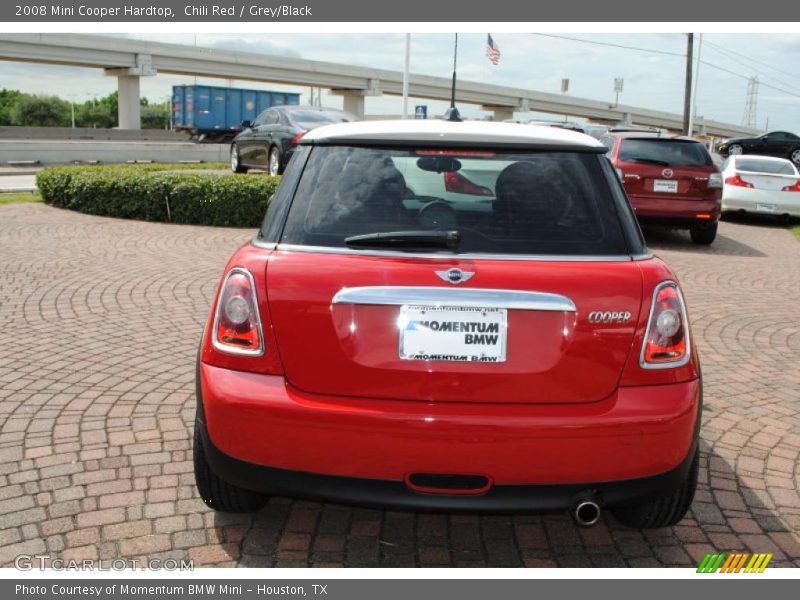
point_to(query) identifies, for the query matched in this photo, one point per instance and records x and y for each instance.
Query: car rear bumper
(676, 211)
(384, 493)
(262, 434)
(760, 201)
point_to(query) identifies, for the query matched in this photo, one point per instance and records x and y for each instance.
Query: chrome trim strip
(257, 243)
(450, 255)
(467, 297)
(229, 348)
(673, 364)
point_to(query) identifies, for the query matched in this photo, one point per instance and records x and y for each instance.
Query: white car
(761, 184)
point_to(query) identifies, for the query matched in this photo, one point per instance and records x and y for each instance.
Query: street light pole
(405, 75)
(687, 92)
(72, 108)
(693, 112)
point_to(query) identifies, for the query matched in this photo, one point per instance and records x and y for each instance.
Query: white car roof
(463, 132)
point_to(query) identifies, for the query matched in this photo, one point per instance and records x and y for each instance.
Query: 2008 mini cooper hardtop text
(450, 316)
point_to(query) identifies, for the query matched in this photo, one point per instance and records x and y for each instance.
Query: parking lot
(99, 324)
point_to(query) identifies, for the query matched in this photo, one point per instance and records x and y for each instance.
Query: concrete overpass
(129, 60)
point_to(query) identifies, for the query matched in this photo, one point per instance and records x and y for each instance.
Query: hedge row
(156, 193)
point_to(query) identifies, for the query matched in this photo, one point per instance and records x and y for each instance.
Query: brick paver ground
(99, 322)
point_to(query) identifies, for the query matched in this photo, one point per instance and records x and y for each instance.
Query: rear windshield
(309, 119)
(506, 203)
(674, 153)
(777, 167)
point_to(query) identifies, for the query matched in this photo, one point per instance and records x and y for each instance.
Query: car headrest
(531, 191)
(359, 188)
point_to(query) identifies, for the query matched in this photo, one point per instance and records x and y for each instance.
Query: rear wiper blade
(652, 161)
(422, 239)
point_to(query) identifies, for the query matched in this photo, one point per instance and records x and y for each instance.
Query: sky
(653, 73)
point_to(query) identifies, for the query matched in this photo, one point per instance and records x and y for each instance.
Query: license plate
(765, 207)
(453, 333)
(665, 185)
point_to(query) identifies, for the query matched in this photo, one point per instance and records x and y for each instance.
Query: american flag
(492, 50)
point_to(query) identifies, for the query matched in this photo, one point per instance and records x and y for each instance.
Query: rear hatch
(502, 317)
(665, 168)
(766, 174)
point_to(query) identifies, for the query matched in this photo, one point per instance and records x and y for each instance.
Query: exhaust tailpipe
(586, 512)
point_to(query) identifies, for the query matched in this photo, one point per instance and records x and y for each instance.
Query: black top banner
(403, 11)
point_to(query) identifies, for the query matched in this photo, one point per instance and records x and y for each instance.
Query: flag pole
(405, 76)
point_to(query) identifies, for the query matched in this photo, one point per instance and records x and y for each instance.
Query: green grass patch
(19, 197)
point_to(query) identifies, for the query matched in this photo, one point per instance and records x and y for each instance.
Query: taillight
(297, 138)
(715, 180)
(456, 183)
(737, 181)
(666, 341)
(237, 324)
(792, 188)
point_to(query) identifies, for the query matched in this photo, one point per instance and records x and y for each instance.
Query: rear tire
(236, 161)
(703, 236)
(666, 511)
(216, 492)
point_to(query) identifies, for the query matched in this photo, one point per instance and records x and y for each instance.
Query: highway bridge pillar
(128, 102)
(354, 103)
(353, 99)
(501, 113)
(129, 109)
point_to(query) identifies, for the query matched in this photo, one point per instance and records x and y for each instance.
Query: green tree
(19, 108)
(155, 116)
(40, 111)
(111, 103)
(91, 114)
(7, 100)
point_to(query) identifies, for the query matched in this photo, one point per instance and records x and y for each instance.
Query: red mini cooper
(450, 316)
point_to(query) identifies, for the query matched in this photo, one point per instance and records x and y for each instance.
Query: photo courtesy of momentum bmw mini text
(297, 300)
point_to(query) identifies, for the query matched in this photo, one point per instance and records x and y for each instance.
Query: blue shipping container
(206, 109)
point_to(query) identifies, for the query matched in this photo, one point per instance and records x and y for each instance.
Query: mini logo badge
(667, 173)
(455, 276)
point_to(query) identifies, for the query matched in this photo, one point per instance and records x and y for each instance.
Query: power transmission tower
(750, 105)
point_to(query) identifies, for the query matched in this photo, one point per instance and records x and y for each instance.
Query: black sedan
(268, 142)
(775, 143)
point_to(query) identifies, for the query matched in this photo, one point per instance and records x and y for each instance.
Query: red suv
(505, 343)
(670, 181)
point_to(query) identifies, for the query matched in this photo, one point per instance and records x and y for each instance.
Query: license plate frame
(439, 334)
(666, 186)
(765, 207)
